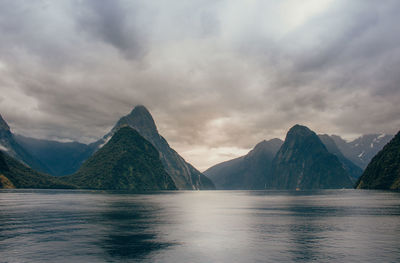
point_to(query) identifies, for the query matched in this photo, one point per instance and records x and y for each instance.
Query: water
(205, 226)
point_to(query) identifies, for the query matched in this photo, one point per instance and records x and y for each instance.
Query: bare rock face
(303, 162)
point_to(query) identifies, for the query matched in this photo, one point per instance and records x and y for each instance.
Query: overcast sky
(218, 76)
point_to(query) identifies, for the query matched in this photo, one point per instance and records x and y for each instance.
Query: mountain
(126, 162)
(184, 175)
(383, 172)
(353, 170)
(14, 174)
(61, 158)
(361, 150)
(9, 145)
(303, 162)
(246, 172)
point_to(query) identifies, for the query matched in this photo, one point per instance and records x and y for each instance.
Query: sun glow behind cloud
(295, 13)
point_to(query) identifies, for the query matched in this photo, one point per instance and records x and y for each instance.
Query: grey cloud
(212, 76)
(113, 22)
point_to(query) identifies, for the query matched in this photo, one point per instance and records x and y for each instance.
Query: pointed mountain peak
(3, 124)
(301, 136)
(141, 120)
(299, 130)
(140, 110)
(304, 162)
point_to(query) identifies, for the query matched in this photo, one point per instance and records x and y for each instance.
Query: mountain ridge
(362, 149)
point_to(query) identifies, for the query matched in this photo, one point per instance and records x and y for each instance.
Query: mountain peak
(140, 110)
(3, 124)
(141, 120)
(304, 162)
(299, 131)
(185, 176)
(134, 165)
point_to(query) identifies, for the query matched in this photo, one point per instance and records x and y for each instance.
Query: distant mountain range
(59, 159)
(247, 172)
(361, 150)
(353, 170)
(383, 172)
(303, 161)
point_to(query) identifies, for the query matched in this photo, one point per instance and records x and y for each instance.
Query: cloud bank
(218, 76)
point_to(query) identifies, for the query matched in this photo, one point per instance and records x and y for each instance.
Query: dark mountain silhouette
(184, 175)
(247, 172)
(126, 162)
(61, 158)
(14, 174)
(10, 145)
(353, 170)
(383, 172)
(303, 162)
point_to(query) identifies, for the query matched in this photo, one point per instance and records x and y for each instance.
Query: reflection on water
(205, 226)
(129, 233)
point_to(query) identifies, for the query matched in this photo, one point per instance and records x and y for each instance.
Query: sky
(217, 76)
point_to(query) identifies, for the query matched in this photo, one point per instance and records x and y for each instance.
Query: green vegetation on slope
(383, 172)
(126, 162)
(14, 174)
(184, 175)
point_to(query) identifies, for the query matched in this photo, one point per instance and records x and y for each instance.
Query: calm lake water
(199, 226)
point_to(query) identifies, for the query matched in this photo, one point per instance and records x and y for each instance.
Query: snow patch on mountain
(106, 140)
(3, 148)
(382, 135)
